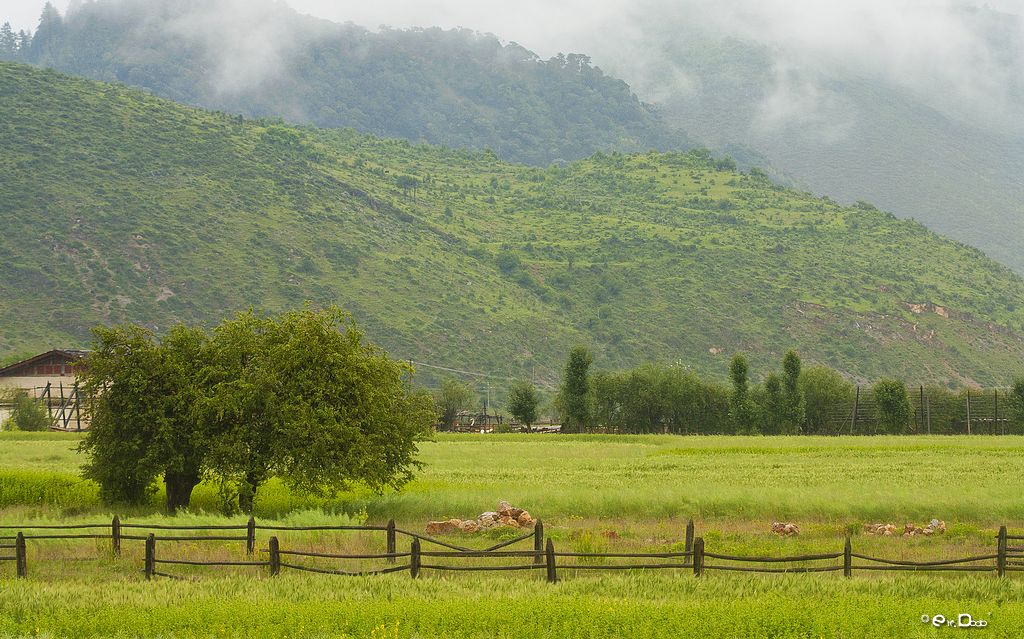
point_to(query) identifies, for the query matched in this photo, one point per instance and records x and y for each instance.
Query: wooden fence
(451, 557)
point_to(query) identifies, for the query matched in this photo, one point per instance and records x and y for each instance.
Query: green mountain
(119, 206)
(841, 132)
(857, 137)
(457, 88)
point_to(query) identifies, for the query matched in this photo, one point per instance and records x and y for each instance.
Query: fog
(960, 60)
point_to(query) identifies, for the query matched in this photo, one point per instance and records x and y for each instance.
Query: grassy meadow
(595, 494)
(629, 478)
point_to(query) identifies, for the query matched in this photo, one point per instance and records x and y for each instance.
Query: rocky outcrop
(506, 515)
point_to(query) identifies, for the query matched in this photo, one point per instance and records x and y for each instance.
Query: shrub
(28, 413)
(893, 403)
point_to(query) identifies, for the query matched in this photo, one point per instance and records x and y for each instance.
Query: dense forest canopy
(457, 87)
(119, 206)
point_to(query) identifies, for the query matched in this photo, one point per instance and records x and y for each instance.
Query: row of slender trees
(793, 400)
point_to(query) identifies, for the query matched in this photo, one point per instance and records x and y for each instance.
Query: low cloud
(964, 58)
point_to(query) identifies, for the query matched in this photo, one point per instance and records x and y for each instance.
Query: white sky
(546, 27)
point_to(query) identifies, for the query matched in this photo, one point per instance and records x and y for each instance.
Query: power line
(460, 371)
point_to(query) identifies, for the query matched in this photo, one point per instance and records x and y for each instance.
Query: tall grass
(976, 480)
(634, 605)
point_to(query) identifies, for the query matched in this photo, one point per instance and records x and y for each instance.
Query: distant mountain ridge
(456, 88)
(119, 206)
(855, 137)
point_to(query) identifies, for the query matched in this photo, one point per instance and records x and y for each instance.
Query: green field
(617, 606)
(838, 480)
(594, 493)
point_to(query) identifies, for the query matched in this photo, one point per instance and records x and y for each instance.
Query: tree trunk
(247, 491)
(179, 488)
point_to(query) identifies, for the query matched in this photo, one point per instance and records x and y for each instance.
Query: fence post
(78, 409)
(549, 552)
(996, 429)
(698, 557)
(538, 542)
(20, 556)
(150, 555)
(968, 411)
(275, 556)
(1001, 552)
(250, 535)
(848, 558)
(689, 536)
(921, 426)
(392, 545)
(49, 401)
(414, 558)
(928, 414)
(856, 405)
(115, 535)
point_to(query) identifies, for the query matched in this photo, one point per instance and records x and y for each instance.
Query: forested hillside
(456, 88)
(119, 206)
(834, 131)
(855, 136)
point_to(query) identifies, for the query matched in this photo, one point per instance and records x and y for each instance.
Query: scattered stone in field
(909, 529)
(488, 520)
(443, 527)
(506, 515)
(785, 529)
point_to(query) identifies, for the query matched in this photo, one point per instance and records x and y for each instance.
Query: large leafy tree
(140, 395)
(452, 397)
(522, 403)
(825, 393)
(302, 396)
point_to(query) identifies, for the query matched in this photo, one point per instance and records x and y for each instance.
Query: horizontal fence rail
(696, 557)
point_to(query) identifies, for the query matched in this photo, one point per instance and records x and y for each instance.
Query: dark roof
(70, 353)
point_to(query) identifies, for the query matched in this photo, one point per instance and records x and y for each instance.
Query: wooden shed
(50, 377)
